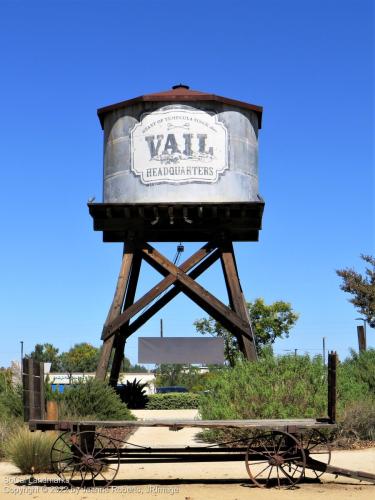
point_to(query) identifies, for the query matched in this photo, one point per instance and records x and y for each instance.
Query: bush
(187, 376)
(361, 368)
(358, 422)
(173, 401)
(7, 428)
(274, 387)
(286, 387)
(92, 400)
(30, 451)
(11, 405)
(293, 387)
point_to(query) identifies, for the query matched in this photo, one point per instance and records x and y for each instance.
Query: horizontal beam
(266, 424)
(191, 221)
(178, 233)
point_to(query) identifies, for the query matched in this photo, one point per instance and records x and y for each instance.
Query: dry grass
(30, 451)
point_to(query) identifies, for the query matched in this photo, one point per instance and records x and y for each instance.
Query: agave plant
(133, 394)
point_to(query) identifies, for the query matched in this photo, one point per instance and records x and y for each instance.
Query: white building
(59, 381)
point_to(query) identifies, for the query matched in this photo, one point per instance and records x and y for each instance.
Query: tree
(168, 374)
(137, 368)
(82, 357)
(269, 322)
(362, 288)
(125, 366)
(177, 374)
(47, 353)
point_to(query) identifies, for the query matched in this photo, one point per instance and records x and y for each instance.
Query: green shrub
(11, 408)
(274, 387)
(173, 401)
(11, 405)
(292, 387)
(361, 368)
(285, 387)
(5, 379)
(187, 376)
(92, 400)
(30, 451)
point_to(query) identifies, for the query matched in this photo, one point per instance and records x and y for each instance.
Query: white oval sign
(179, 146)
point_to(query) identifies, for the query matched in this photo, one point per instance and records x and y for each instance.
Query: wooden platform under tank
(178, 222)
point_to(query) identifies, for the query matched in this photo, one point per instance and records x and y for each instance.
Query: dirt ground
(195, 481)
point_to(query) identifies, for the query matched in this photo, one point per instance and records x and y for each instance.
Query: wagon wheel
(87, 456)
(276, 458)
(316, 446)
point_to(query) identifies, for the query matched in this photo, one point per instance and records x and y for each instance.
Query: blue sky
(310, 64)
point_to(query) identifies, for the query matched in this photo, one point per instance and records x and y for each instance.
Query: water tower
(180, 165)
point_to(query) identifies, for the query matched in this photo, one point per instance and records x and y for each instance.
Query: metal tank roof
(180, 93)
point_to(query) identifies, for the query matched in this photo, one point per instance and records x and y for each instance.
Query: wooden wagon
(278, 453)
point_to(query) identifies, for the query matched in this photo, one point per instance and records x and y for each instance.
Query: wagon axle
(276, 458)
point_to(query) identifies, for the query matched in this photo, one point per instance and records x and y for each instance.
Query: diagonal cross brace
(171, 294)
(219, 311)
(115, 323)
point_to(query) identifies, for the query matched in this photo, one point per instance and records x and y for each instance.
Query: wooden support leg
(115, 309)
(121, 336)
(237, 300)
(117, 327)
(332, 374)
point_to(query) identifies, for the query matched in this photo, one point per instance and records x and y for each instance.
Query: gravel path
(162, 436)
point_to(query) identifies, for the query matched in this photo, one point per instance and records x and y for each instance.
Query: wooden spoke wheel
(85, 458)
(275, 459)
(316, 446)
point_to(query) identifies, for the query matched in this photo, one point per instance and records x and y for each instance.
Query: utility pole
(361, 332)
(21, 366)
(324, 351)
(161, 327)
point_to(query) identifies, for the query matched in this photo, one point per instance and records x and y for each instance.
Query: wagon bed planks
(175, 424)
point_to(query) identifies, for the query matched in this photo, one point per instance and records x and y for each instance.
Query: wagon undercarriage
(281, 453)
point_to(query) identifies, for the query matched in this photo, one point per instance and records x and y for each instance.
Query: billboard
(181, 350)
